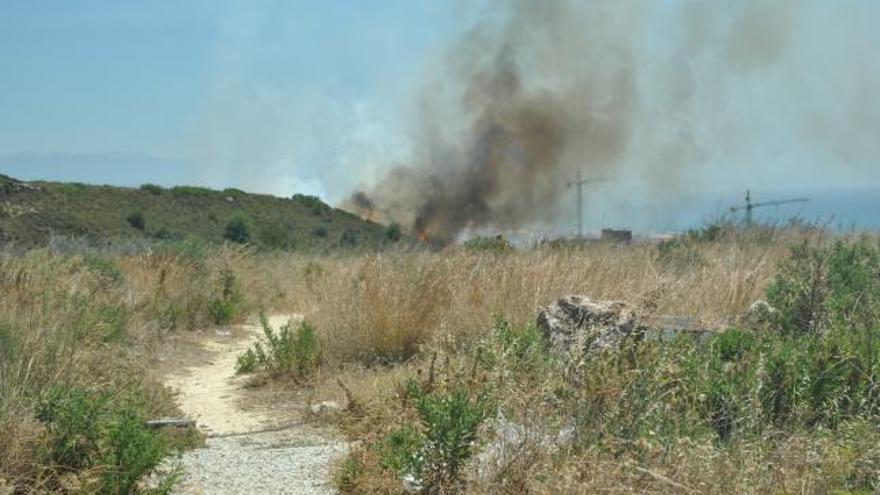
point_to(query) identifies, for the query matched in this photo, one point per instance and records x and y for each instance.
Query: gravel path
(240, 457)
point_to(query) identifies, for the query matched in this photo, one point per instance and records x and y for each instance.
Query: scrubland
(436, 357)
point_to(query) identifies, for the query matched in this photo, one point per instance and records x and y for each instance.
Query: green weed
(488, 243)
(87, 430)
(137, 220)
(820, 286)
(434, 452)
(238, 229)
(283, 351)
(225, 308)
(152, 189)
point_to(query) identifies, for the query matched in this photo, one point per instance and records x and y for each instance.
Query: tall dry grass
(88, 322)
(795, 413)
(384, 306)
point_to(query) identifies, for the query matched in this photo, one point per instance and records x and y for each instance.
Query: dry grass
(384, 307)
(89, 323)
(94, 322)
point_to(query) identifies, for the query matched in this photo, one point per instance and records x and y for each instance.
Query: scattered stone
(326, 407)
(578, 324)
(511, 439)
(411, 485)
(10, 185)
(759, 314)
(291, 462)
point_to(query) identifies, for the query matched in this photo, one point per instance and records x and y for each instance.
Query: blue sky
(322, 96)
(86, 76)
(189, 81)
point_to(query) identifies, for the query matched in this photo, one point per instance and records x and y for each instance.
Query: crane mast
(579, 183)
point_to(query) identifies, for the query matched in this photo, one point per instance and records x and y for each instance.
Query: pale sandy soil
(239, 456)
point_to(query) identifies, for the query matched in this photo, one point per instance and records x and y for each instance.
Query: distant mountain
(32, 213)
(118, 169)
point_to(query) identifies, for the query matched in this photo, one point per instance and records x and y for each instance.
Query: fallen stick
(157, 424)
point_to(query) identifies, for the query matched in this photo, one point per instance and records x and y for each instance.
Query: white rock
(411, 485)
(325, 407)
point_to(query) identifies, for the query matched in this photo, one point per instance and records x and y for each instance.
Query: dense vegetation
(437, 357)
(785, 400)
(32, 214)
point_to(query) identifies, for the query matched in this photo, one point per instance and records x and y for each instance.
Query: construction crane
(579, 183)
(749, 206)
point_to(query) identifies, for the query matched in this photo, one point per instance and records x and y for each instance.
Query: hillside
(31, 213)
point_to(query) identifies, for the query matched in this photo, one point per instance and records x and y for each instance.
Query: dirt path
(240, 456)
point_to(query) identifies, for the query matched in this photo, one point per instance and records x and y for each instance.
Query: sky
(320, 97)
(236, 93)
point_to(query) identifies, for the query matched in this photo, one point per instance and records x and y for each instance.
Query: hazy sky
(251, 91)
(320, 96)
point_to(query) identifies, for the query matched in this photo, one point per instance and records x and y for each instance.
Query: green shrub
(684, 251)
(313, 203)
(488, 243)
(228, 305)
(246, 362)
(799, 289)
(191, 192)
(307, 355)
(732, 385)
(854, 285)
(73, 422)
(679, 254)
(136, 220)
(87, 431)
(109, 321)
(393, 232)
(192, 248)
(222, 312)
(521, 348)
(820, 286)
(348, 239)
(400, 451)
(130, 451)
(349, 473)
(274, 235)
(284, 351)
(103, 268)
(445, 439)
(164, 234)
(231, 191)
(71, 187)
(9, 344)
(238, 229)
(152, 189)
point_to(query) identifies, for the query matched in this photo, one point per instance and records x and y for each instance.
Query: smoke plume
(538, 90)
(523, 117)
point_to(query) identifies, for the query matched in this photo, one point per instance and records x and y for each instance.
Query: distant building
(618, 236)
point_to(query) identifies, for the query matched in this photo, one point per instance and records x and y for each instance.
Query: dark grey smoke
(539, 89)
(507, 166)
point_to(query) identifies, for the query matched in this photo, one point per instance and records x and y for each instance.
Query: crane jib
(783, 202)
